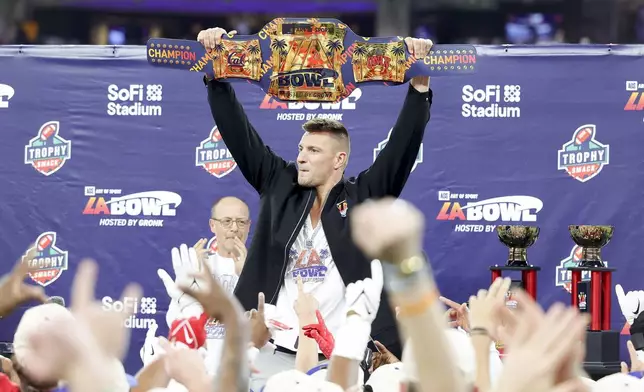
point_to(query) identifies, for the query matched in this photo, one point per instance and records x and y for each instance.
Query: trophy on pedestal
(594, 297)
(518, 239)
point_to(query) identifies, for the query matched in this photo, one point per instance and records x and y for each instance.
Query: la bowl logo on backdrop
(143, 209)
(6, 93)
(563, 277)
(583, 157)
(48, 151)
(134, 100)
(468, 208)
(50, 261)
(301, 111)
(635, 101)
(146, 306)
(213, 155)
(491, 101)
(382, 144)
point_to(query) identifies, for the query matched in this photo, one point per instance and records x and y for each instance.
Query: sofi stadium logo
(583, 157)
(302, 111)
(491, 101)
(476, 213)
(47, 260)
(143, 209)
(134, 100)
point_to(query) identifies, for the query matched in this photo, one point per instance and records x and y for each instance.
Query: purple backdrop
(503, 140)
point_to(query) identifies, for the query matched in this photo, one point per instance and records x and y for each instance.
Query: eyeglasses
(228, 222)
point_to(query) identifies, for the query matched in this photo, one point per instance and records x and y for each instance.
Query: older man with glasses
(230, 223)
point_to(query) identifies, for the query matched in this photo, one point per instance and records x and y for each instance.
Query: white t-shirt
(223, 269)
(310, 258)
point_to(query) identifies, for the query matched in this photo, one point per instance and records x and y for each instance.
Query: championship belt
(306, 60)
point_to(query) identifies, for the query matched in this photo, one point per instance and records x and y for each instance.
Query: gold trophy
(518, 239)
(591, 239)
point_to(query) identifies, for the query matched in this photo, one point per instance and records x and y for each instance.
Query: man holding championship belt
(303, 225)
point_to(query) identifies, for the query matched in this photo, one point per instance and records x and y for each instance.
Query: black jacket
(284, 204)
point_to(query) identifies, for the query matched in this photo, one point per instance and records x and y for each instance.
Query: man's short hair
(216, 203)
(323, 125)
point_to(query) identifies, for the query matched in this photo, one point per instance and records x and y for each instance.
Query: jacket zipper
(289, 244)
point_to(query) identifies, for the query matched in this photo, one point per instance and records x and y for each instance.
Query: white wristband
(352, 338)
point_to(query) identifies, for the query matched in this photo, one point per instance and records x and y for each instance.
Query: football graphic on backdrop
(583, 135)
(48, 130)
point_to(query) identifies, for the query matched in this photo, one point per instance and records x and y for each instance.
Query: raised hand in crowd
(305, 307)
(181, 305)
(485, 321)
(217, 303)
(392, 230)
(457, 315)
(185, 366)
(485, 307)
(84, 347)
(259, 332)
(382, 357)
(151, 349)
(637, 365)
(541, 347)
(363, 301)
(14, 291)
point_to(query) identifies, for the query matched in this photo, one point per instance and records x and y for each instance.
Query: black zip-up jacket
(284, 204)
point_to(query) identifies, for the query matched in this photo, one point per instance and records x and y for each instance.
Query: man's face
(230, 220)
(316, 158)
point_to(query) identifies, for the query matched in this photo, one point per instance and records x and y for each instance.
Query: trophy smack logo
(583, 157)
(488, 102)
(48, 151)
(382, 144)
(563, 277)
(297, 111)
(141, 209)
(495, 210)
(213, 155)
(50, 260)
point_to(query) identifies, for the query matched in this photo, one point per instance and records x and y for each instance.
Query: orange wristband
(420, 306)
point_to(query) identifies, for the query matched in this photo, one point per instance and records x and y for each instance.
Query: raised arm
(256, 161)
(388, 174)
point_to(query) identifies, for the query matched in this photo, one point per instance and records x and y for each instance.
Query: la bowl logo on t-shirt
(213, 155)
(309, 265)
(583, 157)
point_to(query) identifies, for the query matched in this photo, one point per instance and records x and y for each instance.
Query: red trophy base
(528, 276)
(602, 344)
